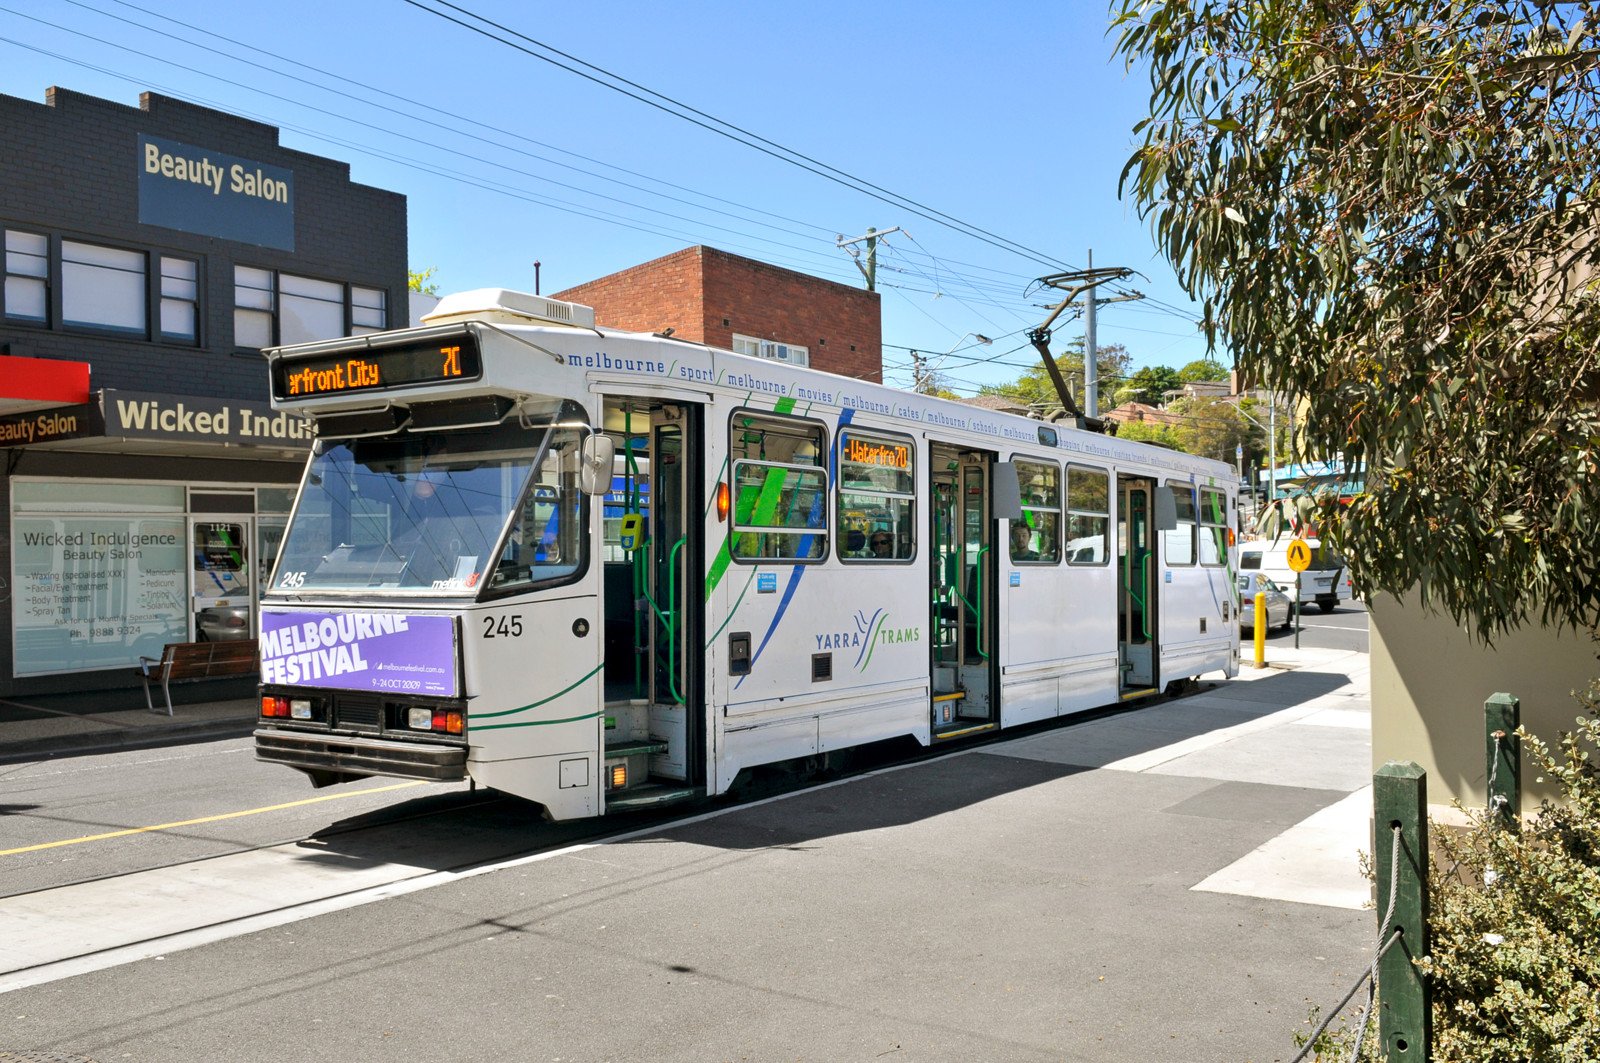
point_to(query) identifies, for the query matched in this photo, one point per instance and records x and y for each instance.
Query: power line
(727, 129)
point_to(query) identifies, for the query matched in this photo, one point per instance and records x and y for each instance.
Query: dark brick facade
(70, 166)
(707, 296)
(70, 170)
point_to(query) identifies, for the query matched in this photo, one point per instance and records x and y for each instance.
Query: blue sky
(1012, 118)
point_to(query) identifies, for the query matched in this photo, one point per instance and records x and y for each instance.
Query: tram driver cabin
(602, 570)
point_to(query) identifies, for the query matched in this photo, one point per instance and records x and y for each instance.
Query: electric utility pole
(870, 270)
(1075, 283)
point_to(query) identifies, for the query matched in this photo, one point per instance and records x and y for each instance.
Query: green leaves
(1380, 206)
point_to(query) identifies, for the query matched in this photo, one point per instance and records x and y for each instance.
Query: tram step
(963, 732)
(650, 795)
(1132, 695)
(956, 695)
(634, 747)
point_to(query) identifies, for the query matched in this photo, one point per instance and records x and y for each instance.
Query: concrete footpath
(1178, 882)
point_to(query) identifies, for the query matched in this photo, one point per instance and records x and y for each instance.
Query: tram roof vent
(504, 307)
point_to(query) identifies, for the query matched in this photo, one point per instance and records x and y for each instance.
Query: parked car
(1279, 604)
(1326, 582)
(222, 623)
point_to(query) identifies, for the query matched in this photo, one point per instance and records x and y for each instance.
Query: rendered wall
(1430, 680)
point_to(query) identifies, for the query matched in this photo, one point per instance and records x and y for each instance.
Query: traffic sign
(1299, 555)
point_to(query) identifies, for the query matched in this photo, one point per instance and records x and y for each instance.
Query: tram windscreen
(427, 512)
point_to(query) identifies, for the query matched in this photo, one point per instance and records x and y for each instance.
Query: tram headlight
(420, 719)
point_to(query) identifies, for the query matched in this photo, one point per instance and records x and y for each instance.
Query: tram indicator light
(371, 368)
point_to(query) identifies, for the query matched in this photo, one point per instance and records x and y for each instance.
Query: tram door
(672, 571)
(1137, 584)
(962, 585)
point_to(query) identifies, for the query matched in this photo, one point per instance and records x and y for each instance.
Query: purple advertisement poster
(383, 653)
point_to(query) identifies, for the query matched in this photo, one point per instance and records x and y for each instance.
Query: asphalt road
(1010, 902)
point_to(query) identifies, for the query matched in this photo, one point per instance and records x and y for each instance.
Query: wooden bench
(196, 660)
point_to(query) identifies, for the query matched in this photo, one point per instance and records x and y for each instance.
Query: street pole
(1272, 446)
(870, 270)
(1091, 368)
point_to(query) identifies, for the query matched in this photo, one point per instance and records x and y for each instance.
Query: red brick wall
(706, 296)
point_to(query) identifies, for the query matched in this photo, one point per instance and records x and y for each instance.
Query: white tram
(601, 570)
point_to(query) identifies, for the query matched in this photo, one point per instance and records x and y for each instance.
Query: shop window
(272, 308)
(27, 277)
(103, 288)
(780, 489)
(876, 509)
(1088, 516)
(1036, 538)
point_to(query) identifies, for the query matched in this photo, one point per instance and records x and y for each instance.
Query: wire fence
(1369, 977)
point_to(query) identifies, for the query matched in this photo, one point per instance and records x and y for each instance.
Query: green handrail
(1144, 610)
(977, 609)
(670, 618)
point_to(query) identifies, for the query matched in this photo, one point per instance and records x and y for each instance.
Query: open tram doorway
(961, 582)
(1138, 585)
(653, 572)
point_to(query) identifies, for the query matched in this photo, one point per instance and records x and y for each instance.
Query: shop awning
(39, 383)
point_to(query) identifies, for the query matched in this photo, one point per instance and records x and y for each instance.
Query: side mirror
(1166, 508)
(1007, 491)
(594, 471)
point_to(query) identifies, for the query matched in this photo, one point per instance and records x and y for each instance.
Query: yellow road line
(207, 819)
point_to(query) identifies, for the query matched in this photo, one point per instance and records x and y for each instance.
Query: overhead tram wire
(377, 153)
(388, 131)
(731, 131)
(487, 183)
(555, 204)
(448, 114)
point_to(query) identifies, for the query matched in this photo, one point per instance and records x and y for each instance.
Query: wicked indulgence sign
(391, 653)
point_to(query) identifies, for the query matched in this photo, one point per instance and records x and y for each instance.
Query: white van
(1326, 581)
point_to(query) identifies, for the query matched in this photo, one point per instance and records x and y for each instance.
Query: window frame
(152, 297)
(893, 439)
(1019, 460)
(275, 298)
(1103, 515)
(766, 350)
(46, 281)
(1185, 488)
(1217, 530)
(732, 481)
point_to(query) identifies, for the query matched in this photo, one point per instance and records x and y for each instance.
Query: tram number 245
(502, 627)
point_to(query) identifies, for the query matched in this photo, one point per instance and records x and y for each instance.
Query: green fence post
(1501, 714)
(1400, 799)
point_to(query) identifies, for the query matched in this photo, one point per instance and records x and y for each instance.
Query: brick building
(712, 297)
(150, 253)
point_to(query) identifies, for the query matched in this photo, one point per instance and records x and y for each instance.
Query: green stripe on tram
(471, 716)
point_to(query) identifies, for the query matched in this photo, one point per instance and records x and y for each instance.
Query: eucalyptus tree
(1386, 210)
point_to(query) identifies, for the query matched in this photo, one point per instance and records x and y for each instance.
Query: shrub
(1514, 958)
(1515, 954)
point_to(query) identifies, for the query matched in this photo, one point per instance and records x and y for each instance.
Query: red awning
(37, 383)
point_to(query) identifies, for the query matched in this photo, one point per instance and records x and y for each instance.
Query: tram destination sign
(375, 368)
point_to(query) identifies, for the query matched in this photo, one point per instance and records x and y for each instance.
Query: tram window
(876, 509)
(780, 489)
(1178, 543)
(1088, 515)
(1036, 538)
(1213, 526)
(547, 533)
